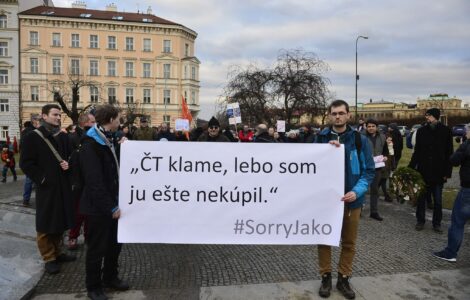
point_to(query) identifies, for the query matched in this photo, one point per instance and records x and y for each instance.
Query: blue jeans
(5, 170)
(460, 215)
(28, 188)
(435, 191)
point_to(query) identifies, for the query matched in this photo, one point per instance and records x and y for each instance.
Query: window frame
(166, 73)
(94, 44)
(114, 68)
(4, 76)
(94, 97)
(94, 70)
(72, 67)
(55, 67)
(166, 46)
(166, 98)
(34, 38)
(146, 73)
(4, 105)
(75, 40)
(129, 95)
(34, 93)
(147, 48)
(4, 49)
(3, 21)
(56, 42)
(112, 96)
(34, 67)
(129, 43)
(113, 43)
(147, 99)
(129, 69)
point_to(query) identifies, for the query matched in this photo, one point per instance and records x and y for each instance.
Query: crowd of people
(76, 174)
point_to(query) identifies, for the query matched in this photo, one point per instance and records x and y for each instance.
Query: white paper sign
(379, 161)
(231, 193)
(182, 125)
(234, 113)
(281, 126)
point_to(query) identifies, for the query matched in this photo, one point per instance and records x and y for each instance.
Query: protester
(262, 135)
(245, 135)
(397, 140)
(165, 134)
(307, 135)
(378, 143)
(213, 133)
(461, 209)
(99, 161)
(144, 133)
(387, 170)
(431, 158)
(28, 183)
(8, 159)
(70, 129)
(40, 161)
(291, 137)
(180, 136)
(196, 133)
(359, 172)
(361, 126)
(230, 135)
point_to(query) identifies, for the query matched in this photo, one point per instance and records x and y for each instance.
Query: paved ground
(390, 253)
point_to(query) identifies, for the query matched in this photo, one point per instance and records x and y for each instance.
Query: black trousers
(102, 250)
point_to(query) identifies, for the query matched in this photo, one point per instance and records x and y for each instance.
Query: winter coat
(100, 173)
(360, 168)
(144, 134)
(8, 155)
(264, 138)
(245, 137)
(462, 157)
(165, 135)
(432, 152)
(54, 208)
(205, 137)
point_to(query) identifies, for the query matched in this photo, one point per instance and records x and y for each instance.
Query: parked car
(403, 130)
(458, 130)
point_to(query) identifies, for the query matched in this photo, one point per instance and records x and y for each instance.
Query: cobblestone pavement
(388, 247)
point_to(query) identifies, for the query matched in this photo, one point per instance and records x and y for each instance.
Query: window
(111, 42)
(166, 70)
(166, 118)
(111, 95)
(34, 38)
(34, 65)
(111, 68)
(75, 40)
(93, 67)
(186, 49)
(3, 76)
(193, 97)
(3, 21)
(146, 70)
(185, 72)
(34, 93)
(167, 46)
(166, 96)
(4, 132)
(56, 40)
(147, 45)
(4, 105)
(56, 66)
(93, 41)
(193, 73)
(129, 95)
(94, 94)
(129, 43)
(147, 97)
(129, 69)
(3, 48)
(75, 66)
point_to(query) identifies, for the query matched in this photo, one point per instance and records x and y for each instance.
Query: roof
(83, 13)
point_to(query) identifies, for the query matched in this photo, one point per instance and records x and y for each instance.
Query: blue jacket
(360, 169)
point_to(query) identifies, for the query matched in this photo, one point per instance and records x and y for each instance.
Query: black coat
(54, 209)
(101, 179)
(462, 157)
(431, 153)
(264, 138)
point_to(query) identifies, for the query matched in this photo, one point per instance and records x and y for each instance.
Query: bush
(407, 185)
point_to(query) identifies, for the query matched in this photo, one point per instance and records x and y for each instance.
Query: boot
(325, 288)
(343, 286)
(4, 179)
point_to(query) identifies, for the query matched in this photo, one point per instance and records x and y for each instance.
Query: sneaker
(116, 284)
(52, 267)
(376, 216)
(65, 258)
(26, 203)
(419, 226)
(437, 229)
(344, 287)
(97, 294)
(445, 256)
(325, 288)
(72, 244)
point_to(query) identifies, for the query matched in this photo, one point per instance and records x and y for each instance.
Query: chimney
(149, 10)
(111, 7)
(79, 4)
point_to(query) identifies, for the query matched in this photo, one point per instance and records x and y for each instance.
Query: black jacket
(54, 209)
(432, 152)
(101, 179)
(264, 138)
(462, 157)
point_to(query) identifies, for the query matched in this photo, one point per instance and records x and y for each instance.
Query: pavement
(393, 261)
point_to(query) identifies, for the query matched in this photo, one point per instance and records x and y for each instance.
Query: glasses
(341, 114)
(214, 127)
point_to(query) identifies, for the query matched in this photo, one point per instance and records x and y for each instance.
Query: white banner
(182, 125)
(231, 193)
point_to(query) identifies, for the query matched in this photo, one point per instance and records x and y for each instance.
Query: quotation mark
(134, 170)
(273, 190)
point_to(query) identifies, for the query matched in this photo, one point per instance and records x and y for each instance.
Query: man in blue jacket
(359, 173)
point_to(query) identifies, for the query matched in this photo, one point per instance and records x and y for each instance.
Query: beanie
(434, 112)
(214, 122)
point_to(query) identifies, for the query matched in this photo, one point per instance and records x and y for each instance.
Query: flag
(186, 114)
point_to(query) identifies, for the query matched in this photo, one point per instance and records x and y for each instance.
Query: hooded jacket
(359, 167)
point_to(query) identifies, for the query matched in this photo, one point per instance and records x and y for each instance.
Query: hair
(104, 114)
(27, 124)
(35, 117)
(47, 108)
(69, 128)
(337, 103)
(83, 118)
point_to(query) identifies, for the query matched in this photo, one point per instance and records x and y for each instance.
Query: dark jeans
(460, 215)
(28, 188)
(5, 170)
(436, 192)
(102, 246)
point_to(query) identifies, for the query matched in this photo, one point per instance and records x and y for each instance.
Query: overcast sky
(415, 47)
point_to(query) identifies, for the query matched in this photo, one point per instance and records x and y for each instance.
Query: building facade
(137, 61)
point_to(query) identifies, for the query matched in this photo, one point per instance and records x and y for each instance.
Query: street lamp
(357, 76)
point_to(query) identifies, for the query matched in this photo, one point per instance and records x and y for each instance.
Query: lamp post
(357, 76)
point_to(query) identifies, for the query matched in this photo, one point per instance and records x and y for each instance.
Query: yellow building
(135, 60)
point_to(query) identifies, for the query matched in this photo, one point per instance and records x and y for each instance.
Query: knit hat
(214, 122)
(372, 121)
(435, 112)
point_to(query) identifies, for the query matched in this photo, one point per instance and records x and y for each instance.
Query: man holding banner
(359, 173)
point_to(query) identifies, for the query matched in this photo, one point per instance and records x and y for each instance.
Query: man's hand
(64, 165)
(117, 214)
(122, 140)
(334, 143)
(349, 197)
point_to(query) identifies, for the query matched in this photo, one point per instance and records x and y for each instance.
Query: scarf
(54, 130)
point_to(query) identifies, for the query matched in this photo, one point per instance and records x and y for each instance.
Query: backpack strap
(54, 151)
